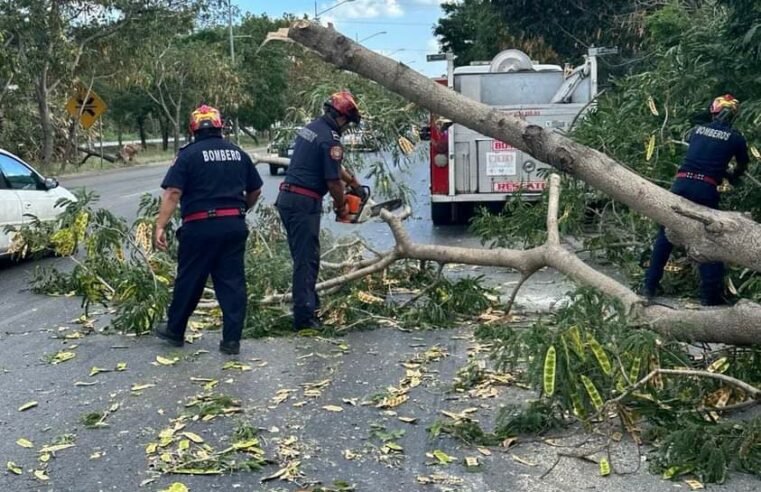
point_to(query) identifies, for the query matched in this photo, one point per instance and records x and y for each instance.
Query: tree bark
(46, 127)
(707, 235)
(141, 131)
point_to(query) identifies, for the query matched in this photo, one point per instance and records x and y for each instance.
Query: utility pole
(232, 61)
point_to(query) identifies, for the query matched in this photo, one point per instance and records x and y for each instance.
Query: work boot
(714, 301)
(230, 348)
(647, 292)
(162, 332)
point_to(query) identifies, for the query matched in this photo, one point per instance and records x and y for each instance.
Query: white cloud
(432, 2)
(366, 9)
(433, 45)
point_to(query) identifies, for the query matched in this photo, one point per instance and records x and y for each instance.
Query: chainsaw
(362, 208)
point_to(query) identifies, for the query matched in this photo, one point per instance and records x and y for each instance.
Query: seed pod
(634, 370)
(594, 395)
(405, 145)
(650, 147)
(600, 355)
(604, 467)
(651, 106)
(575, 339)
(550, 364)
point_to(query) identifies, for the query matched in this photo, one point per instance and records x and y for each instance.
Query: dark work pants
(711, 274)
(301, 218)
(213, 247)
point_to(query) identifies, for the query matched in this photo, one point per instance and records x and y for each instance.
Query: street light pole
(232, 60)
(370, 36)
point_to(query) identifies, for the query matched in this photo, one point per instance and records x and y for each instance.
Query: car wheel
(274, 169)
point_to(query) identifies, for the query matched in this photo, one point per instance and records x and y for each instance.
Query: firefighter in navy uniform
(215, 183)
(711, 147)
(315, 169)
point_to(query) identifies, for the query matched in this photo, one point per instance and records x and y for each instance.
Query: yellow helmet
(725, 108)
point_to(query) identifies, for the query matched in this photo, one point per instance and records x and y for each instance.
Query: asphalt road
(329, 445)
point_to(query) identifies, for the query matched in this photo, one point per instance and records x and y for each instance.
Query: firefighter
(315, 169)
(215, 183)
(711, 147)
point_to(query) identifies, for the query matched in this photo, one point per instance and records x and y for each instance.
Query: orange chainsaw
(362, 208)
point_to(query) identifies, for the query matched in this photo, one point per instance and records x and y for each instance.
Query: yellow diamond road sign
(87, 107)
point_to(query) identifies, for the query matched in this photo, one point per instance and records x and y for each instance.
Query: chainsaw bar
(389, 205)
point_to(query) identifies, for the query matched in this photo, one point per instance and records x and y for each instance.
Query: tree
(264, 72)
(547, 30)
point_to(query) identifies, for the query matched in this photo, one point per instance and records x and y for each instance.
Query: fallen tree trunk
(269, 159)
(91, 153)
(707, 235)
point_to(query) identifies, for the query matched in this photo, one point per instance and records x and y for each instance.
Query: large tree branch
(737, 325)
(731, 237)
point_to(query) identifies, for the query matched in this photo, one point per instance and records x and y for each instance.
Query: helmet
(205, 117)
(344, 104)
(725, 108)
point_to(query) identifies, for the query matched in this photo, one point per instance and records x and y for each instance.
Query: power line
(379, 23)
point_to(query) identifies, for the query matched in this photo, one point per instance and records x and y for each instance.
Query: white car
(25, 191)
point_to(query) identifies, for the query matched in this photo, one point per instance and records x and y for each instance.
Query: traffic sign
(86, 106)
(436, 57)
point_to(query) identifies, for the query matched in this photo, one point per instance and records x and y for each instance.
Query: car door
(10, 212)
(35, 198)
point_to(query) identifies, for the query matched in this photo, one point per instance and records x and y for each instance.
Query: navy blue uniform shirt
(212, 174)
(711, 148)
(317, 156)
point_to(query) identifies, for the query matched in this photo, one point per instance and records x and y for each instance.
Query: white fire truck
(467, 168)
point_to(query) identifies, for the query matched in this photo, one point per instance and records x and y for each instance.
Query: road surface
(276, 394)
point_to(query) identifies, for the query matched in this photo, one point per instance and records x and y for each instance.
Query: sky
(401, 29)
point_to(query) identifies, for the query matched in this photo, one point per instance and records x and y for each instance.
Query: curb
(146, 165)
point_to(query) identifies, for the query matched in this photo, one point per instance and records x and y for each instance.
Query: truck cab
(469, 169)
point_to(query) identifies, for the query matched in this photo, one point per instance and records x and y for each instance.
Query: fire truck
(468, 169)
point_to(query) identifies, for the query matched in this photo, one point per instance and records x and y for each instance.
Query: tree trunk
(164, 134)
(71, 148)
(119, 134)
(141, 131)
(707, 235)
(46, 127)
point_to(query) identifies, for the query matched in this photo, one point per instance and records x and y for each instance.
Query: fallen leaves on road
(234, 364)
(27, 406)
(97, 370)
(13, 468)
(24, 443)
(140, 387)
(333, 408)
(41, 475)
(288, 472)
(281, 395)
(440, 479)
(176, 487)
(522, 461)
(165, 361)
(442, 457)
(62, 356)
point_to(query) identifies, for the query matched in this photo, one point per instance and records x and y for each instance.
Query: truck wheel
(441, 213)
(274, 169)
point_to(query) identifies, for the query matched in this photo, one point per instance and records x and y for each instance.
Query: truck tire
(274, 169)
(441, 213)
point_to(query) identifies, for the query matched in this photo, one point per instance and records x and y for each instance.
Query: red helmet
(205, 117)
(344, 104)
(725, 108)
